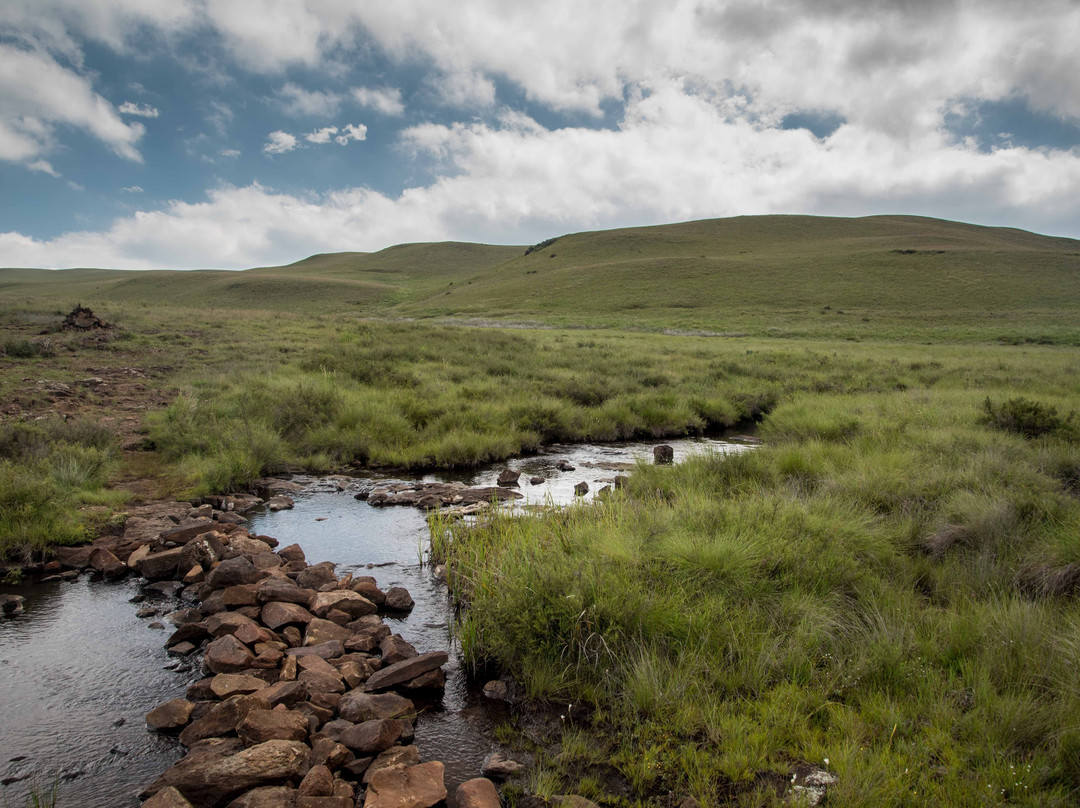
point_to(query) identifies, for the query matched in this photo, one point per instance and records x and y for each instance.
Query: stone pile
(307, 700)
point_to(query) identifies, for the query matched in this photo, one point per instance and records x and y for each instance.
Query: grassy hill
(880, 277)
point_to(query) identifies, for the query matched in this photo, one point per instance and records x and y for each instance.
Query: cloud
(132, 189)
(230, 153)
(279, 142)
(294, 100)
(385, 100)
(142, 110)
(37, 94)
(351, 131)
(321, 135)
(44, 166)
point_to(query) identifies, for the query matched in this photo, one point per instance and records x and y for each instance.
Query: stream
(79, 670)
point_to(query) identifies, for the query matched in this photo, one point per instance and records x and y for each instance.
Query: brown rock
(398, 599)
(396, 757)
(292, 553)
(227, 654)
(224, 623)
(406, 671)
(167, 798)
(245, 546)
(183, 533)
(276, 614)
(477, 793)
(288, 669)
(253, 634)
(170, 716)
(314, 577)
(232, 684)
(266, 797)
(328, 752)
(313, 662)
(195, 575)
(318, 782)
(320, 631)
(268, 659)
(345, 600)
(432, 680)
(259, 726)
(287, 693)
(499, 767)
(73, 558)
(201, 552)
(372, 737)
(663, 454)
(232, 571)
(355, 673)
(359, 707)
(189, 632)
(345, 790)
(419, 786)
(328, 700)
(395, 649)
(222, 719)
(292, 635)
(325, 802)
(266, 561)
(327, 650)
(319, 682)
(105, 562)
(366, 587)
(208, 779)
(508, 477)
(137, 555)
(240, 595)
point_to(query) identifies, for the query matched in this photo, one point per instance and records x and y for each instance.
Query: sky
(238, 133)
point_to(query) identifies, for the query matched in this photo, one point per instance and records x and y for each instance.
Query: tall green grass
(886, 585)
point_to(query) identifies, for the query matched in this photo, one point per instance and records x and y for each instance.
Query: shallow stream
(79, 671)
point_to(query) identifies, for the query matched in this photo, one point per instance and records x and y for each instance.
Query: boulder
(536, 480)
(224, 623)
(499, 767)
(11, 605)
(398, 599)
(189, 632)
(266, 561)
(259, 726)
(327, 650)
(276, 614)
(222, 719)
(73, 558)
(241, 545)
(581, 489)
(239, 595)
(395, 649)
(106, 562)
(227, 654)
(353, 604)
(358, 707)
(368, 588)
(137, 555)
(319, 682)
(283, 590)
(564, 465)
(231, 572)
(477, 793)
(663, 454)
(328, 752)
(497, 690)
(231, 684)
(171, 716)
(508, 477)
(288, 693)
(406, 671)
(371, 737)
(325, 802)
(314, 577)
(185, 532)
(431, 680)
(419, 786)
(292, 553)
(167, 798)
(201, 551)
(280, 503)
(208, 779)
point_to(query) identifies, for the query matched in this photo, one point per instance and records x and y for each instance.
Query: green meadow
(886, 588)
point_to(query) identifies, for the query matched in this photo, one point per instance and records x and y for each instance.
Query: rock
(288, 693)
(477, 793)
(536, 480)
(325, 802)
(227, 654)
(663, 454)
(231, 684)
(199, 551)
(181, 649)
(137, 555)
(319, 631)
(395, 649)
(266, 561)
(230, 518)
(256, 635)
(499, 767)
(358, 707)
(105, 562)
(497, 690)
(283, 590)
(371, 737)
(212, 603)
(259, 726)
(239, 595)
(232, 571)
(222, 718)
(406, 671)
(11, 605)
(809, 784)
(319, 682)
(170, 716)
(266, 797)
(432, 495)
(328, 752)
(163, 589)
(77, 558)
(327, 650)
(207, 779)
(316, 576)
(240, 545)
(195, 575)
(431, 680)
(224, 623)
(183, 533)
(508, 477)
(280, 503)
(419, 786)
(318, 782)
(292, 553)
(398, 599)
(573, 801)
(277, 614)
(396, 757)
(167, 798)
(564, 465)
(353, 604)
(581, 489)
(368, 588)
(620, 481)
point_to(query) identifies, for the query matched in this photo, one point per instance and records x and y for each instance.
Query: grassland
(889, 584)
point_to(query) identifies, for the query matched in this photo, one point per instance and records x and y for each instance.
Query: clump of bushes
(1021, 416)
(26, 349)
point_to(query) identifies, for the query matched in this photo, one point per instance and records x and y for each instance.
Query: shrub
(1023, 417)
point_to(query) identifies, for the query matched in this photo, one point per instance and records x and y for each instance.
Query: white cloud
(351, 131)
(294, 100)
(279, 142)
(321, 135)
(464, 88)
(230, 153)
(44, 166)
(132, 189)
(142, 110)
(37, 94)
(386, 100)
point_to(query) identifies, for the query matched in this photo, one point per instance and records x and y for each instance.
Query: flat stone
(231, 572)
(351, 603)
(358, 707)
(432, 680)
(266, 797)
(224, 623)
(317, 576)
(396, 757)
(419, 786)
(167, 798)
(185, 532)
(232, 684)
(259, 726)
(189, 632)
(294, 552)
(327, 650)
(283, 590)
(319, 631)
(227, 654)
(325, 802)
(405, 671)
(222, 718)
(319, 682)
(276, 614)
(499, 767)
(395, 649)
(245, 546)
(240, 595)
(287, 693)
(369, 590)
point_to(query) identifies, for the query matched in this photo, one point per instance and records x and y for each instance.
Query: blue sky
(238, 133)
